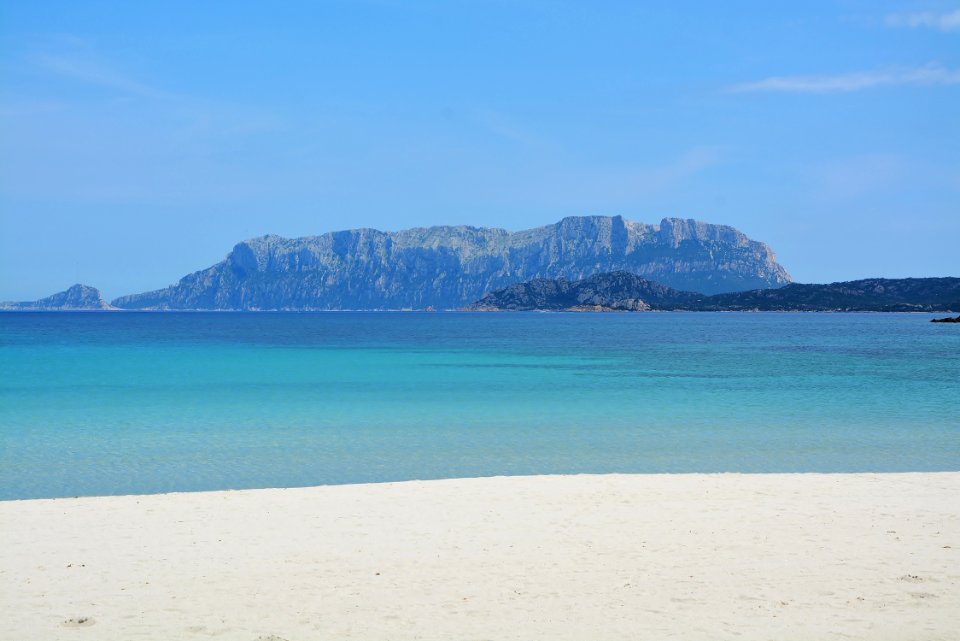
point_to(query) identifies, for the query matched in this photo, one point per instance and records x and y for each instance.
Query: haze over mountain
(449, 267)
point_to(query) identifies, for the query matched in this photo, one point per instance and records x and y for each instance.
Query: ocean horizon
(101, 403)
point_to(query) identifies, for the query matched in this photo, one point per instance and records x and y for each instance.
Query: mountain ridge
(447, 267)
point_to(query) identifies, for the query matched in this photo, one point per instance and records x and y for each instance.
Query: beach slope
(774, 556)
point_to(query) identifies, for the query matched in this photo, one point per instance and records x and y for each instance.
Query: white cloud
(949, 21)
(929, 75)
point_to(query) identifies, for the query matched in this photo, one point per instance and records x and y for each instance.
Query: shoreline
(292, 488)
(472, 311)
(614, 556)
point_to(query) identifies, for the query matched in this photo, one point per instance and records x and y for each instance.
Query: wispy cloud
(96, 73)
(83, 65)
(626, 184)
(928, 75)
(688, 164)
(16, 108)
(949, 21)
(507, 128)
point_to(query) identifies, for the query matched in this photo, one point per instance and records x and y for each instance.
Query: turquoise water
(117, 403)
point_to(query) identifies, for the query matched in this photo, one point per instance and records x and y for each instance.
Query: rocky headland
(621, 291)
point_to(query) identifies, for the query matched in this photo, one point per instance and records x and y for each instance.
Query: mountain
(625, 291)
(448, 267)
(78, 297)
(619, 291)
(628, 292)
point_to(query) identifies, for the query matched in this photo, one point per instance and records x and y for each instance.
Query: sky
(139, 141)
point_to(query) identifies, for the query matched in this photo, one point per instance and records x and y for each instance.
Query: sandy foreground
(779, 556)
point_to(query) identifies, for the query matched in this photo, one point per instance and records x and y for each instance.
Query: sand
(780, 556)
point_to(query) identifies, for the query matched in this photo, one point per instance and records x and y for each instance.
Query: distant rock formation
(628, 292)
(449, 267)
(955, 319)
(871, 294)
(616, 291)
(76, 298)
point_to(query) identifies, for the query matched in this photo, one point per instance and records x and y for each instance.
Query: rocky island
(76, 298)
(449, 267)
(588, 263)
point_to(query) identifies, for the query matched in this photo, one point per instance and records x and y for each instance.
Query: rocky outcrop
(76, 298)
(953, 319)
(628, 292)
(449, 267)
(617, 291)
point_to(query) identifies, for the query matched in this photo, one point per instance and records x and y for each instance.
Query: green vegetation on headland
(622, 291)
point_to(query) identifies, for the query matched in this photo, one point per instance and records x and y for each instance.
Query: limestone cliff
(449, 267)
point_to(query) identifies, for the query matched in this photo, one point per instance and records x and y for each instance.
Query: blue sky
(140, 141)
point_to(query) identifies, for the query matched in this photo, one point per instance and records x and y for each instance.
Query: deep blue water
(118, 403)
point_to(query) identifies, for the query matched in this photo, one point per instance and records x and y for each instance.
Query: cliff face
(448, 267)
(78, 297)
(628, 292)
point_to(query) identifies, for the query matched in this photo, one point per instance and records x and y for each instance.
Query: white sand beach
(779, 556)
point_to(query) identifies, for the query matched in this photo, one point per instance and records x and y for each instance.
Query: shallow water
(118, 403)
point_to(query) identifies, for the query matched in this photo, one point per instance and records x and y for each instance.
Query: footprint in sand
(79, 622)
(911, 578)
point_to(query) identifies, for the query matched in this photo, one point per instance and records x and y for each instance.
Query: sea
(132, 403)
